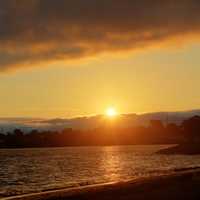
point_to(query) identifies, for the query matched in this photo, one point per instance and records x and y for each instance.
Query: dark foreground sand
(179, 185)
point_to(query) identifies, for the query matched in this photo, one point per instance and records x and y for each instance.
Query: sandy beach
(178, 185)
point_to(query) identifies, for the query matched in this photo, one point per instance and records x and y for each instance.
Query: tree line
(155, 133)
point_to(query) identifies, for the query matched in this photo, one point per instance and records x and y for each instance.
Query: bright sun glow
(111, 112)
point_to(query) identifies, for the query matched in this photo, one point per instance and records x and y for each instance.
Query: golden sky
(69, 58)
(161, 79)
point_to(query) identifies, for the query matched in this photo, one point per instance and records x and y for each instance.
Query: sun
(111, 112)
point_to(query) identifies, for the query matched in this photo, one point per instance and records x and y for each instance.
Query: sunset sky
(74, 58)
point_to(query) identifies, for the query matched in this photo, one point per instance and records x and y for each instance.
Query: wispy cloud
(42, 31)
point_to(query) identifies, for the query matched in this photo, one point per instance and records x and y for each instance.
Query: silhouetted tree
(34, 132)
(18, 133)
(156, 124)
(191, 129)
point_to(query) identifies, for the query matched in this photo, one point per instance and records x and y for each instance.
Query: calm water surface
(34, 170)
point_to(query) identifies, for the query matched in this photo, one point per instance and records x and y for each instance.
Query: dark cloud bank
(41, 31)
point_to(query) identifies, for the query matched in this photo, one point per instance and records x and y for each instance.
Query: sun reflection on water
(111, 163)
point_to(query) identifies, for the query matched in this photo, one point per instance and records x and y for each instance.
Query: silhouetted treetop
(191, 128)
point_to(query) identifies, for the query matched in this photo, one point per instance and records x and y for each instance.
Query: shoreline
(181, 149)
(178, 184)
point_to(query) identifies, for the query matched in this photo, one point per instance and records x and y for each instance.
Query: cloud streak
(40, 31)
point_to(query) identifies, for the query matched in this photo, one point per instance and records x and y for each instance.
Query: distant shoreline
(181, 149)
(109, 145)
(178, 185)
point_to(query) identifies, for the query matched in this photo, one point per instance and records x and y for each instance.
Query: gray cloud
(40, 31)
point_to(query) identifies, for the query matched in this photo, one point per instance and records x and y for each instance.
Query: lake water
(34, 170)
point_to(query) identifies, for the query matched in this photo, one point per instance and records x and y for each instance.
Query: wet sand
(178, 185)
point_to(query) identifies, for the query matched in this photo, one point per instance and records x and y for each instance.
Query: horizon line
(96, 115)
